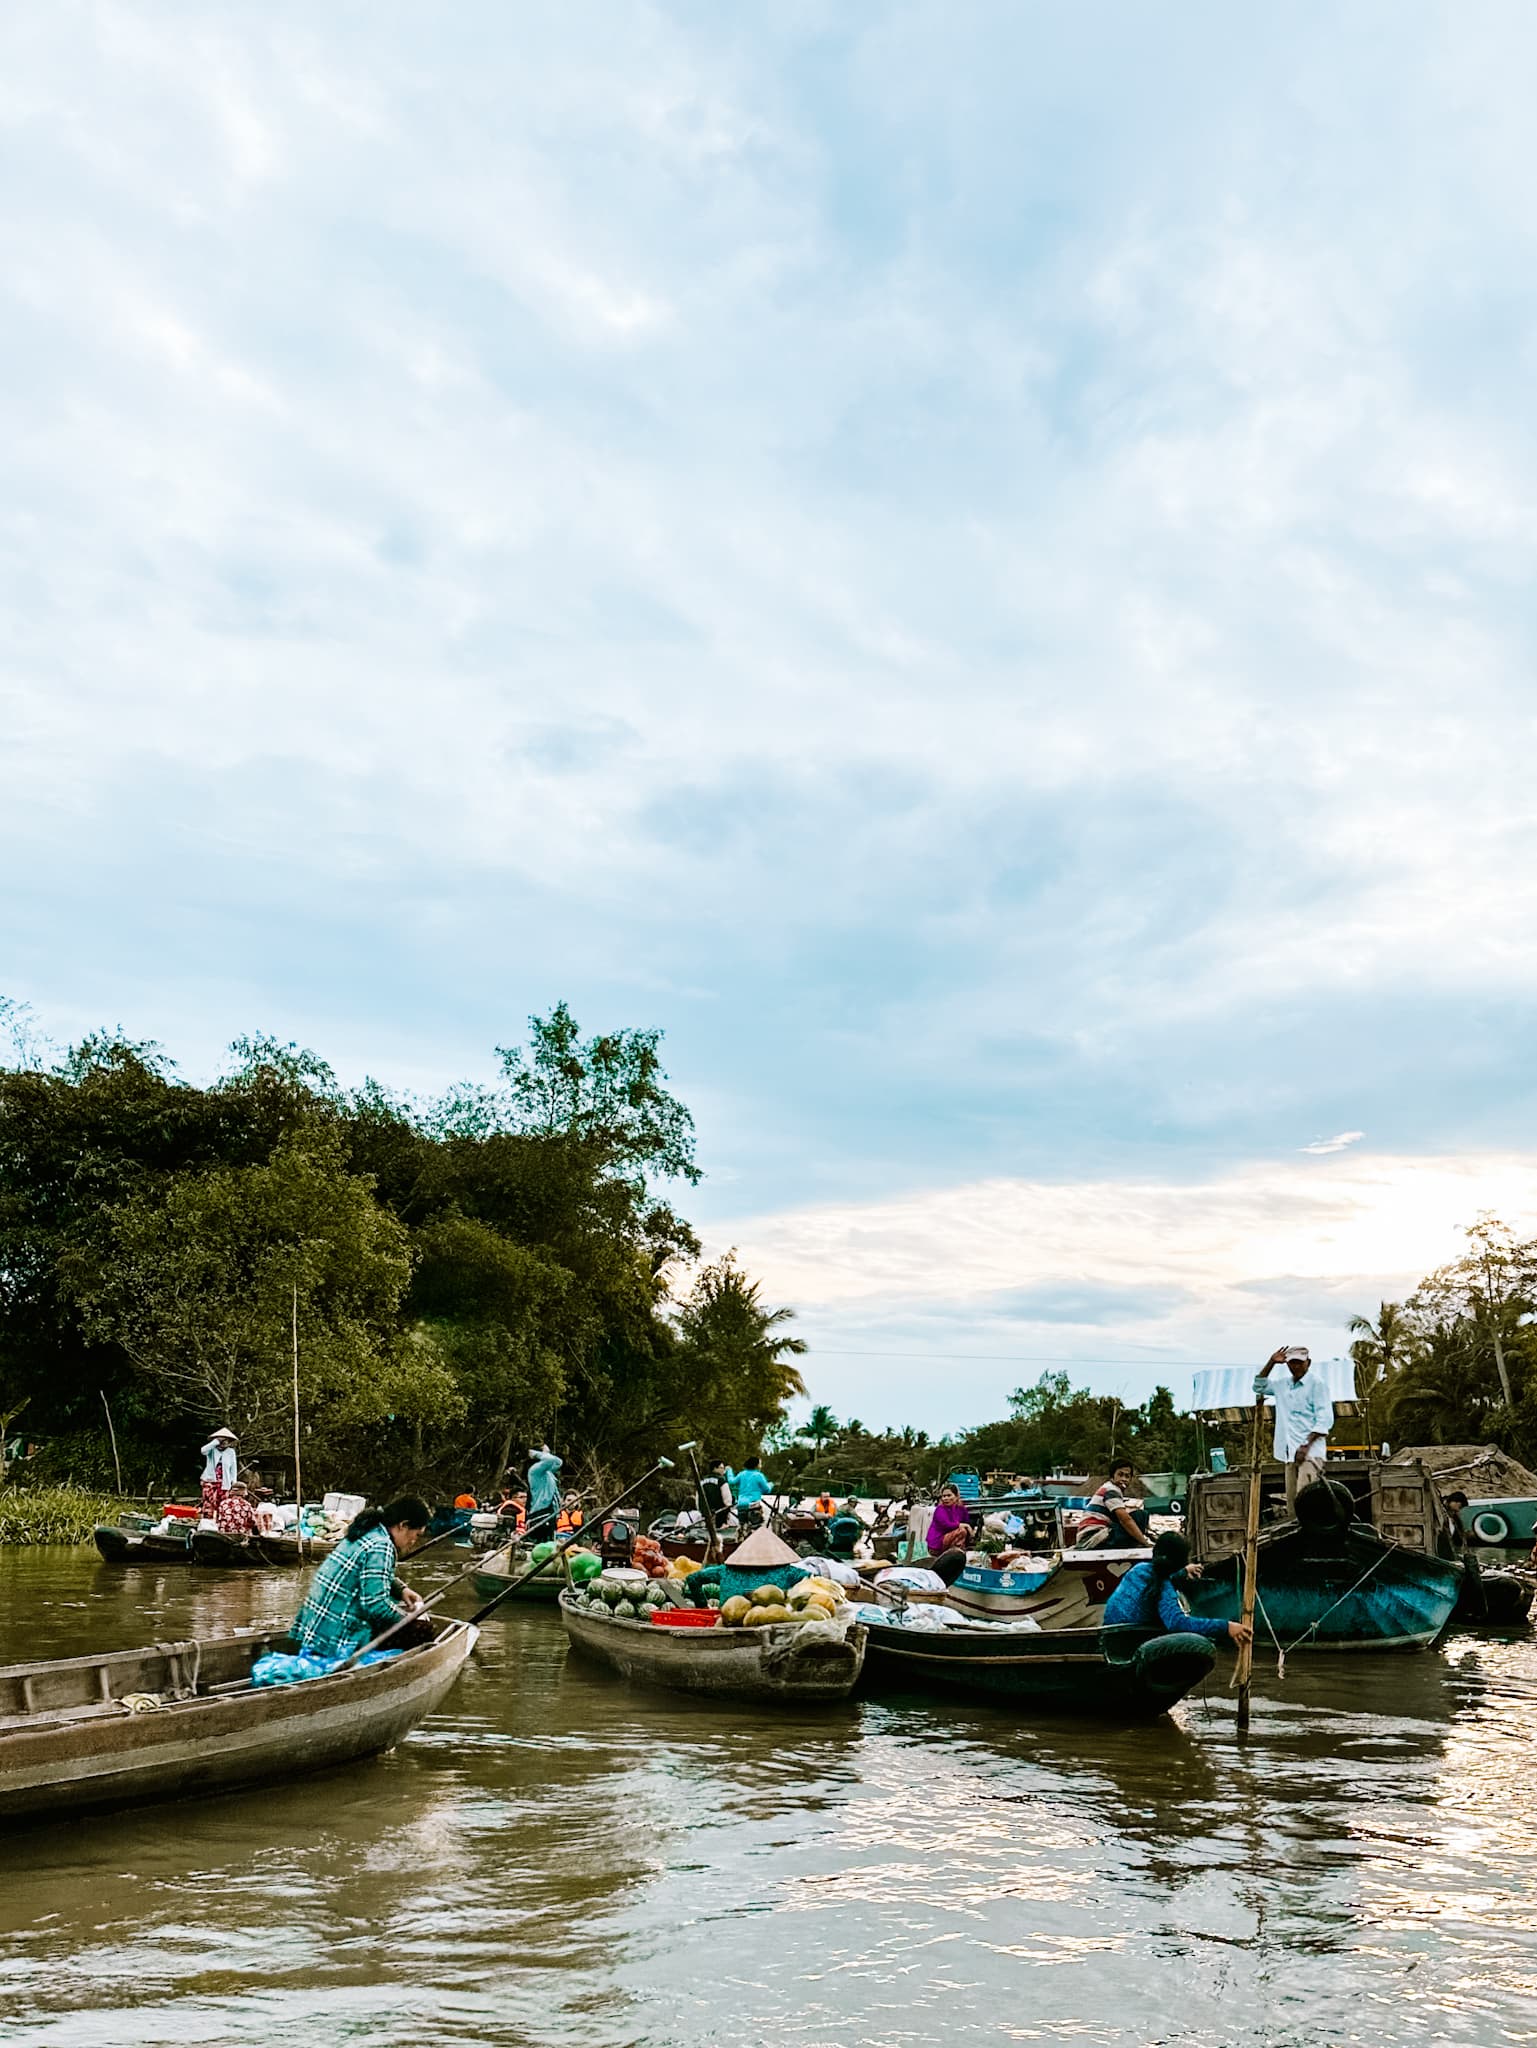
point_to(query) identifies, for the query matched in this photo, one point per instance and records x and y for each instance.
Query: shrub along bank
(55, 1514)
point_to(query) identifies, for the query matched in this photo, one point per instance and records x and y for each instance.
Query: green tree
(199, 1290)
(819, 1425)
(1377, 1353)
(734, 1354)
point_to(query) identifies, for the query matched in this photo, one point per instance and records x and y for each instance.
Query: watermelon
(626, 1610)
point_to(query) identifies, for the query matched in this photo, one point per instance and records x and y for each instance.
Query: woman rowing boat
(355, 1594)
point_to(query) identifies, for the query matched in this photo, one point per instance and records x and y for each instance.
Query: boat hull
(806, 1662)
(67, 1745)
(1369, 1596)
(129, 1546)
(1055, 1594)
(1510, 1518)
(258, 1553)
(543, 1589)
(1127, 1675)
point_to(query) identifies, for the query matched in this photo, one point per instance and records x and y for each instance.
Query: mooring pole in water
(298, 1485)
(1245, 1670)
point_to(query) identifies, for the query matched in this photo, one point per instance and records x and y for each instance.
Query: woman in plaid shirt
(355, 1594)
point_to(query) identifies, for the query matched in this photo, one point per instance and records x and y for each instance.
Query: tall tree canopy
(472, 1273)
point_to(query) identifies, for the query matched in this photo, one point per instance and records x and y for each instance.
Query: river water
(560, 1858)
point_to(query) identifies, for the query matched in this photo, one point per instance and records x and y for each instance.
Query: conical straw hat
(762, 1549)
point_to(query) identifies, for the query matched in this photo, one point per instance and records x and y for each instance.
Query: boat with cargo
(181, 1720)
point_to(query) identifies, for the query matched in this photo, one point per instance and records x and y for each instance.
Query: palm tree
(820, 1424)
(1442, 1394)
(1379, 1350)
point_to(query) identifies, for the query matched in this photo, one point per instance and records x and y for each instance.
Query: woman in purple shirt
(950, 1528)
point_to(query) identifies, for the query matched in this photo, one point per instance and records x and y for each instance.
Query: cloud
(953, 574)
(1320, 1147)
(1135, 1281)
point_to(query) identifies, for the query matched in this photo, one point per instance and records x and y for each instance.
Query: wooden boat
(499, 1571)
(258, 1552)
(1358, 1569)
(1065, 1591)
(120, 1544)
(73, 1735)
(1355, 1594)
(1502, 1518)
(798, 1661)
(1120, 1674)
(1492, 1599)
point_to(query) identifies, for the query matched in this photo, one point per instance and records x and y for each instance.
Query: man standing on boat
(543, 1494)
(1304, 1415)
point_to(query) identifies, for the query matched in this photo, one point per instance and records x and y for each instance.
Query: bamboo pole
(1245, 1670)
(117, 1465)
(298, 1477)
(715, 1550)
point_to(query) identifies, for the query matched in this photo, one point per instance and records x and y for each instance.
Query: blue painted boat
(1353, 1592)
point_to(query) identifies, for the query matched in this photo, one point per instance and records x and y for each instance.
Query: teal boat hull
(1365, 1595)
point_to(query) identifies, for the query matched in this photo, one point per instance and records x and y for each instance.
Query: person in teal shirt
(751, 1487)
(543, 1494)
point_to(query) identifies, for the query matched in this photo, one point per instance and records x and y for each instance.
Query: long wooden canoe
(137, 1546)
(797, 1661)
(181, 1719)
(259, 1553)
(500, 1570)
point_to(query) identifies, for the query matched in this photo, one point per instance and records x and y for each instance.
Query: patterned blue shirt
(351, 1597)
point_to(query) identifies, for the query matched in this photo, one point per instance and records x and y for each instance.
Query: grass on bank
(55, 1514)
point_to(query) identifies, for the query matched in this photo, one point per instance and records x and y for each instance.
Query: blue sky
(972, 565)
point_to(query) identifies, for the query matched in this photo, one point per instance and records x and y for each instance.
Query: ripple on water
(560, 1858)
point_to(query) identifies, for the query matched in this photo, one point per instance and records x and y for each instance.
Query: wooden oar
(1245, 1667)
(563, 1543)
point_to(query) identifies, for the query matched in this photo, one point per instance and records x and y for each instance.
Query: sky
(970, 564)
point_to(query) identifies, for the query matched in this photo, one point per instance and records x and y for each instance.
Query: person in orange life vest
(824, 1504)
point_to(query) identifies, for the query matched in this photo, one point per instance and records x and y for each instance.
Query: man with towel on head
(1304, 1415)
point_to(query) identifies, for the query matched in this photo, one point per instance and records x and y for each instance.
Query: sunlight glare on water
(561, 1860)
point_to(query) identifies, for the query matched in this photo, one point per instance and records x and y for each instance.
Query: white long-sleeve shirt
(1302, 1407)
(220, 1462)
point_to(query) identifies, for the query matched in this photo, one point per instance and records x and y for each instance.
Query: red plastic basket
(684, 1617)
(180, 1514)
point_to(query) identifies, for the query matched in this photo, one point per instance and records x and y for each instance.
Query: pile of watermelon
(619, 1594)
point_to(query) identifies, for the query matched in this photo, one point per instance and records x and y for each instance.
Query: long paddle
(1245, 1667)
(562, 1544)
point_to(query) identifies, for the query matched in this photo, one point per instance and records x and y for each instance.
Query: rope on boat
(1314, 1625)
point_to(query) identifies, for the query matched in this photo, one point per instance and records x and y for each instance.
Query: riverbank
(56, 1514)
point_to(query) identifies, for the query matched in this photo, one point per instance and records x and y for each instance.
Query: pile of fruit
(582, 1564)
(619, 1593)
(771, 1606)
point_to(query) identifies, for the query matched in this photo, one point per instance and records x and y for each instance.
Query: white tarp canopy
(1232, 1386)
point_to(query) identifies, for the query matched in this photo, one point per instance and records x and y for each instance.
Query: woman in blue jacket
(1149, 1597)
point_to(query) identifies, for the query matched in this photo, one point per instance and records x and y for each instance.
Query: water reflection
(562, 1858)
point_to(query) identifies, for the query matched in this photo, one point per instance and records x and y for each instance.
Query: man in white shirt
(1304, 1415)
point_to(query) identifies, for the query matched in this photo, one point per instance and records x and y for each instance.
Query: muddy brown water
(562, 1860)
